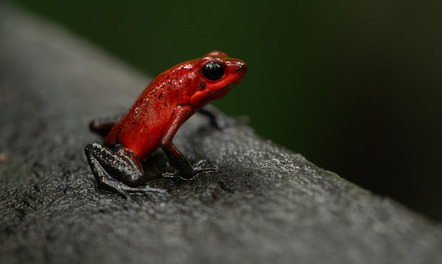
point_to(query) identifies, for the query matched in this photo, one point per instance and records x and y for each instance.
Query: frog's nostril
(240, 68)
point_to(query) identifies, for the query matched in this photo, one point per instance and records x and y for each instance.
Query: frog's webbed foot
(117, 172)
(220, 120)
(106, 182)
(199, 167)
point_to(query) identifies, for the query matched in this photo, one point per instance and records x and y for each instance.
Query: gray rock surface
(267, 204)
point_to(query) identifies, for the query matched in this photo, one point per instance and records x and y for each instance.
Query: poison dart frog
(152, 122)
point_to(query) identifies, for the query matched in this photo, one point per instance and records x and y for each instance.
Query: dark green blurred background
(355, 86)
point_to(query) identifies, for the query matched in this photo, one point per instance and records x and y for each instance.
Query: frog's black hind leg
(104, 125)
(119, 171)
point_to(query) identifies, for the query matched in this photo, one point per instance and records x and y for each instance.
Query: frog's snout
(241, 66)
(239, 70)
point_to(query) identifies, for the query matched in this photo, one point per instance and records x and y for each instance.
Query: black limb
(117, 171)
(185, 170)
(103, 126)
(220, 120)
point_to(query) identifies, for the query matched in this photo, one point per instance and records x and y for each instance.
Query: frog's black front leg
(119, 171)
(220, 120)
(104, 125)
(177, 159)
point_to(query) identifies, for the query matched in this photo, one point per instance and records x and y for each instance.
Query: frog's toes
(201, 166)
(144, 189)
(198, 167)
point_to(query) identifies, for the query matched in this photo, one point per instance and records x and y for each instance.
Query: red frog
(154, 119)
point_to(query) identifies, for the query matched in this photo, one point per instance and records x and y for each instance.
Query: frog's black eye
(213, 70)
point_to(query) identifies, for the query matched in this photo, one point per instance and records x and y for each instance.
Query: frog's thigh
(122, 165)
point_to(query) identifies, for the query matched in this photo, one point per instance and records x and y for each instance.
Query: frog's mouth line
(220, 91)
(212, 93)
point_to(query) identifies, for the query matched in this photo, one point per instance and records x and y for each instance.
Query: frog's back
(143, 127)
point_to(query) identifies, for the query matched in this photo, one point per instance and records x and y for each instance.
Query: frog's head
(217, 74)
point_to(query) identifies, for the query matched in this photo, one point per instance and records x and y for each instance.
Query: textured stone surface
(267, 204)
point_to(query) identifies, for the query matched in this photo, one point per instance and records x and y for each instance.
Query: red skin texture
(144, 128)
